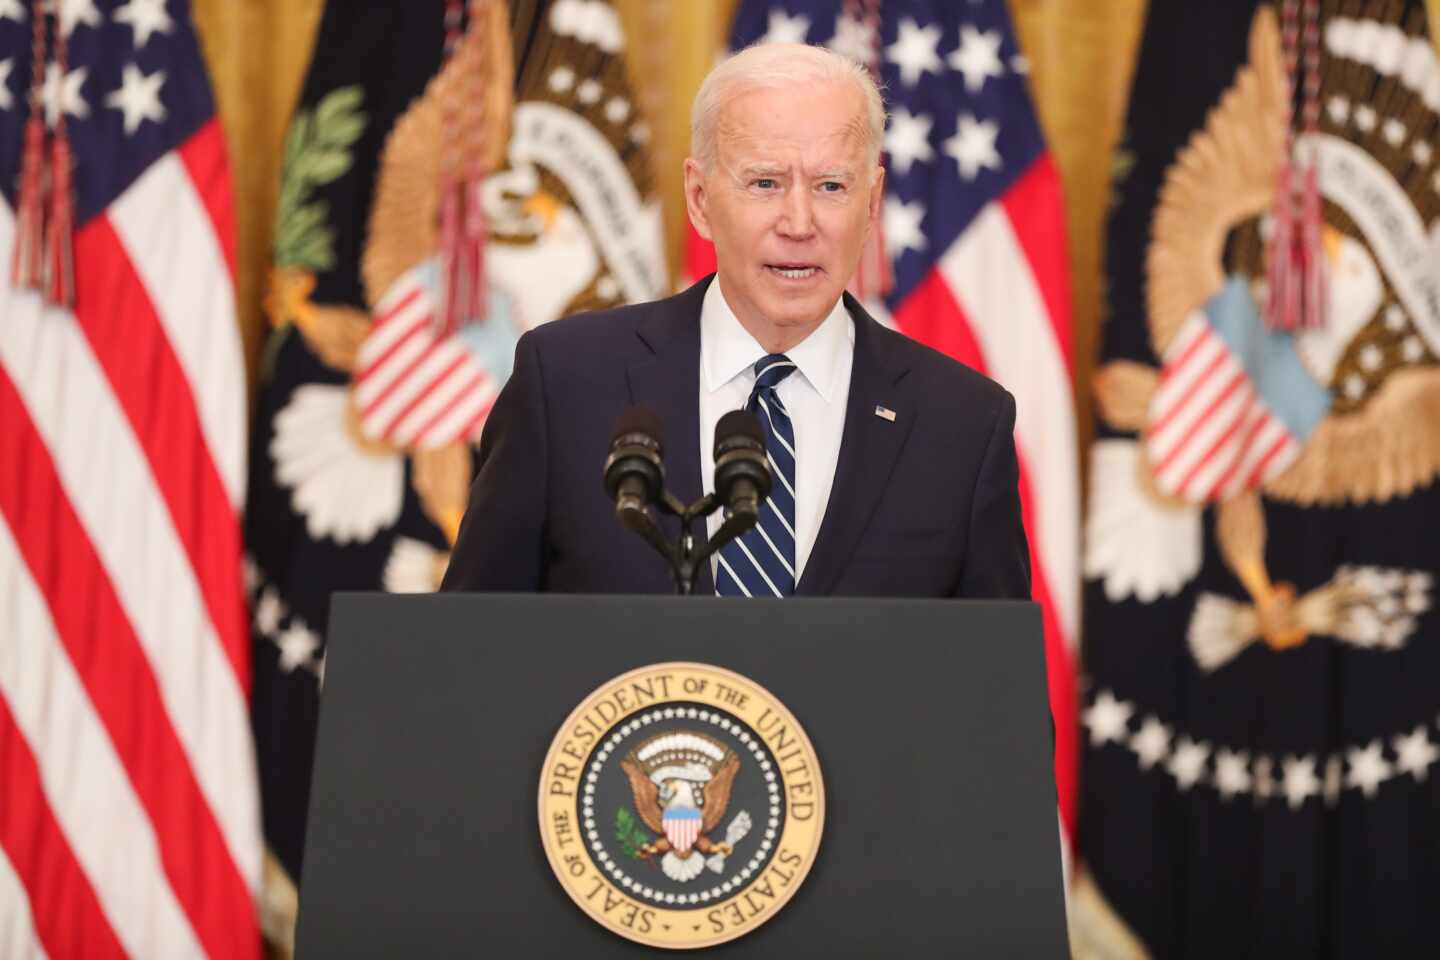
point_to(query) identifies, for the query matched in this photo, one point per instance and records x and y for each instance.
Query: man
(895, 470)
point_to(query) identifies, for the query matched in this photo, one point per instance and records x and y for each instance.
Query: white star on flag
(12, 10)
(973, 145)
(1300, 781)
(144, 17)
(853, 38)
(784, 28)
(902, 226)
(1231, 774)
(7, 100)
(1415, 753)
(617, 109)
(914, 51)
(65, 94)
(138, 97)
(1187, 766)
(1151, 743)
(297, 644)
(268, 612)
(75, 12)
(562, 78)
(1368, 768)
(978, 57)
(908, 139)
(1107, 718)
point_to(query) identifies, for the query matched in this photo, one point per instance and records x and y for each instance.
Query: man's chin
(803, 316)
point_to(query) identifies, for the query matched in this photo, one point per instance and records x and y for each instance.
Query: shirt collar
(727, 349)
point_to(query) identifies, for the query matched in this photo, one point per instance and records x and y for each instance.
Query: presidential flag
(1262, 719)
(974, 260)
(456, 173)
(129, 821)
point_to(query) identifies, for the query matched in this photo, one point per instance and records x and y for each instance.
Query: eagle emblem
(680, 783)
(1237, 413)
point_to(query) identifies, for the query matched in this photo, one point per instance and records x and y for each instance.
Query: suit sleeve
(997, 556)
(501, 545)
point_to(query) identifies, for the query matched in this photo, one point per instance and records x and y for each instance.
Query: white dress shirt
(815, 396)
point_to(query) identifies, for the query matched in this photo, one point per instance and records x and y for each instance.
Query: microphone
(634, 475)
(742, 473)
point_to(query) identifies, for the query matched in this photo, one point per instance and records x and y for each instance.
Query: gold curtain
(1082, 55)
(257, 52)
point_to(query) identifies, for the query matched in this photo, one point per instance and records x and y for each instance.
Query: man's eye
(764, 183)
(832, 186)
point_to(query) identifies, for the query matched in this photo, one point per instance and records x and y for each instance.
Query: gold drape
(257, 52)
(671, 48)
(1082, 55)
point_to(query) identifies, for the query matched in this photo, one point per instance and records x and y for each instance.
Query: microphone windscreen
(640, 420)
(738, 424)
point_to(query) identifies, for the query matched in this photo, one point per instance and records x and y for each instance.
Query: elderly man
(894, 466)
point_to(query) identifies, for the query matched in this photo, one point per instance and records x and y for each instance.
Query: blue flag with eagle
(1262, 705)
(456, 173)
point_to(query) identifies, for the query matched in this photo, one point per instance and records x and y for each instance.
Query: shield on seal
(682, 828)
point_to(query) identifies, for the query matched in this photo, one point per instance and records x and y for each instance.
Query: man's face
(788, 203)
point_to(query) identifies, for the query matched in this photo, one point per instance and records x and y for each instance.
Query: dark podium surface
(929, 718)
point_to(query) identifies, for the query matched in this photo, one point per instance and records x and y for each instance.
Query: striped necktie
(762, 562)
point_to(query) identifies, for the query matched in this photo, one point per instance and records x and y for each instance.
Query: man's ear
(695, 197)
(877, 193)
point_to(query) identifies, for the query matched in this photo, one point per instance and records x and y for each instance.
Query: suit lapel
(868, 451)
(669, 384)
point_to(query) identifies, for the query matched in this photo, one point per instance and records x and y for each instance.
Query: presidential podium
(475, 751)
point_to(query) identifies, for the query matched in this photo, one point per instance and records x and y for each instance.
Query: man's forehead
(750, 125)
(752, 143)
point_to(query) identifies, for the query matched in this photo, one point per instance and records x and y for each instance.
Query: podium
(929, 721)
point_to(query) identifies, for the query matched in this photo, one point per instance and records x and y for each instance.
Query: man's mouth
(793, 271)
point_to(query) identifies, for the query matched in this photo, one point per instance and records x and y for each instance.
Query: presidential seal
(681, 805)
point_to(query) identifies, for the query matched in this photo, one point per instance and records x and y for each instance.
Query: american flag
(1234, 403)
(413, 388)
(129, 821)
(974, 226)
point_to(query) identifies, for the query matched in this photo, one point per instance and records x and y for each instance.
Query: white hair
(775, 65)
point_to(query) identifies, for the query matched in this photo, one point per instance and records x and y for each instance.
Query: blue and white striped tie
(762, 562)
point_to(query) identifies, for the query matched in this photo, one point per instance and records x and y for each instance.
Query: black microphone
(742, 473)
(634, 474)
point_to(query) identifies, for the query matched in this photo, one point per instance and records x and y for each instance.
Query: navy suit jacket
(926, 505)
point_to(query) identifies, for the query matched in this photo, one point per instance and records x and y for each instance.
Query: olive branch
(317, 152)
(628, 834)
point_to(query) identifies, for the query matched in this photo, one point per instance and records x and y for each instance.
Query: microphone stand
(683, 556)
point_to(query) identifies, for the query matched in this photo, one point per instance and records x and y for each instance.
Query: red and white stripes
(131, 821)
(1211, 433)
(412, 387)
(999, 302)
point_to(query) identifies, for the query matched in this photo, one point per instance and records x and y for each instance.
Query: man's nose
(798, 220)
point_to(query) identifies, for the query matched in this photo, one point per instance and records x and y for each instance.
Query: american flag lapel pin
(885, 413)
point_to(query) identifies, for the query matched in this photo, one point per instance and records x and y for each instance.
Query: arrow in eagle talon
(734, 833)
